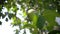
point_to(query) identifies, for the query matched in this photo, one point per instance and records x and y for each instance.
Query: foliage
(55, 32)
(42, 10)
(40, 22)
(16, 21)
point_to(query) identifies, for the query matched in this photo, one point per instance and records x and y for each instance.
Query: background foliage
(37, 14)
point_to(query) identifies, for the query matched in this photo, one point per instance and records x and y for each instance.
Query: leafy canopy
(42, 10)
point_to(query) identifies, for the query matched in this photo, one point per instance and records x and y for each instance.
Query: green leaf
(54, 32)
(40, 22)
(7, 5)
(6, 19)
(16, 21)
(28, 26)
(31, 16)
(17, 31)
(14, 7)
(0, 7)
(10, 15)
(0, 22)
(1, 14)
(34, 20)
(50, 16)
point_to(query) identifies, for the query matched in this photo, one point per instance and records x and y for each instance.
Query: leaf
(17, 31)
(54, 32)
(3, 16)
(0, 7)
(28, 26)
(0, 23)
(40, 22)
(34, 20)
(16, 21)
(6, 19)
(31, 16)
(10, 15)
(14, 7)
(34, 31)
(8, 6)
(50, 15)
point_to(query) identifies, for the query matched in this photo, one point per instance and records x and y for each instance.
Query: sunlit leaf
(28, 26)
(14, 7)
(16, 21)
(34, 19)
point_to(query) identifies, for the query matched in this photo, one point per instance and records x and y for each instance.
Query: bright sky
(6, 28)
